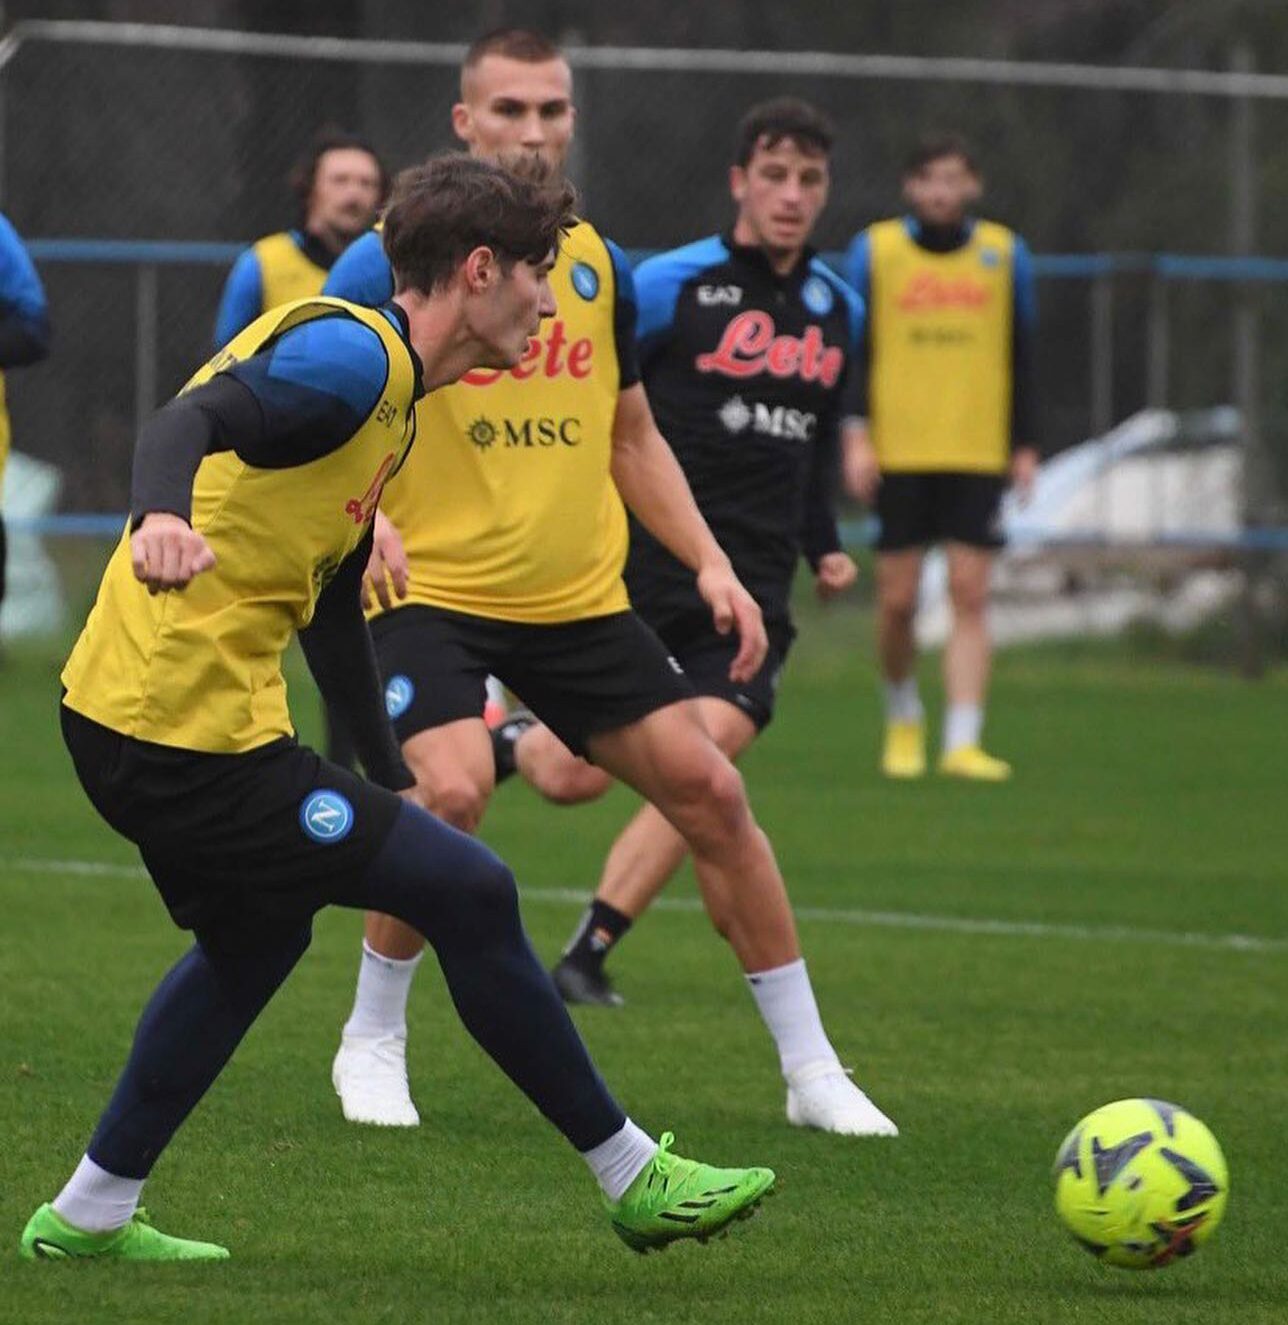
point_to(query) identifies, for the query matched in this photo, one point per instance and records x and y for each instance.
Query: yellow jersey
(507, 506)
(201, 669)
(941, 327)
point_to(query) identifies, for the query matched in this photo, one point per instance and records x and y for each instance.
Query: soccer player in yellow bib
(251, 510)
(513, 542)
(339, 183)
(948, 415)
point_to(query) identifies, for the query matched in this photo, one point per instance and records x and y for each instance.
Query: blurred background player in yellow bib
(946, 410)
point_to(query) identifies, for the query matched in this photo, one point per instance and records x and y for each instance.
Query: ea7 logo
(715, 296)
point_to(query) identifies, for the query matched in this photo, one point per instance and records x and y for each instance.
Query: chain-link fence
(112, 133)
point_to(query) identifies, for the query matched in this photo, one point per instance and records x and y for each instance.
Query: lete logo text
(750, 346)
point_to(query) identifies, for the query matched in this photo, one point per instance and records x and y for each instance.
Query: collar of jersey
(755, 256)
(939, 238)
(398, 317)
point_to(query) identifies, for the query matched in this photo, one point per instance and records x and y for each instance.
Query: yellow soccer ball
(1140, 1183)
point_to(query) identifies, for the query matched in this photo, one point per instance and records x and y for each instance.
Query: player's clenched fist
(167, 552)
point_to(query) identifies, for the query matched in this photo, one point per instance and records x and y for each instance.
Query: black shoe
(577, 985)
(505, 736)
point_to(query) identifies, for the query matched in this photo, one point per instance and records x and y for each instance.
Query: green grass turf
(1149, 798)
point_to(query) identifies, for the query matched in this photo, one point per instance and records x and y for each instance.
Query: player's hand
(836, 572)
(1024, 471)
(859, 469)
(733, 608)
(166, 552)
(388, 561)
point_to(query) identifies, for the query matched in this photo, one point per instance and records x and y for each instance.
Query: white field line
(827, 914)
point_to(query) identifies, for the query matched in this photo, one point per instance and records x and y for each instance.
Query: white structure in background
(34, 603)
(1160, 491)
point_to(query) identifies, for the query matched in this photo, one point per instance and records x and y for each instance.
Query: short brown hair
(769, 122)
(938, 147)
(442, 211)
(304, 172)
(522, 44)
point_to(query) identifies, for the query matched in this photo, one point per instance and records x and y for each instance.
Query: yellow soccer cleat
(969, 761)
(904, 753)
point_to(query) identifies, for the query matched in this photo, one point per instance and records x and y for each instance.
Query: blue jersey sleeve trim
(20, 286)
(625, 311)
(858, 265)
(335, 355)
(362, 273)
(243, 298)
(855, 306)
(1025, 287)
(659, 280)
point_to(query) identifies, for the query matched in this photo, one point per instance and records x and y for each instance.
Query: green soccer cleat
(681, 1198)
(47, 1237)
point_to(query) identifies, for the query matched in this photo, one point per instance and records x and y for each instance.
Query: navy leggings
(445, 884)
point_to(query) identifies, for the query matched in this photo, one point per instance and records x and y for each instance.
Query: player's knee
(899, 606)
(968, 594)
(717, 800)
(489, 897)
(458, 800)
(572, 782)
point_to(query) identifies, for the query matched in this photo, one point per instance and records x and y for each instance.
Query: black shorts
(706, 656)
(235, 843)
(917, 510)
(579, 677)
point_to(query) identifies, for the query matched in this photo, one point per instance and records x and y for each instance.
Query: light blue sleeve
(858, 266)
(20, 286)
(243, 298)
(1026, 295)
(362, 274)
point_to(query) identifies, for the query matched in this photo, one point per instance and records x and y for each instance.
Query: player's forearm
(653, 486)
(337, 646)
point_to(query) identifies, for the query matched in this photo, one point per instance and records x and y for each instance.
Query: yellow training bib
(942, 353)
(201, 669)
(507, 507)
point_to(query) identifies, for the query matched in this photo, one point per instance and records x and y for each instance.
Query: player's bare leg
(453, 768)
(903, 752)
(640, 863)
(670, 758)
(546, 763)
(967, 660)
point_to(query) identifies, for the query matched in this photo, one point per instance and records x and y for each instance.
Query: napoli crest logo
(817, 296)
(398, 695)
(989, 257)
(585, 280)
(326, 816)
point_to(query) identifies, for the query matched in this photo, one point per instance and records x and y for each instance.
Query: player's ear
(738, 182)
(481, 270)
(462, 122)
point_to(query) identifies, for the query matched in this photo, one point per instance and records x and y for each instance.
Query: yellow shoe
(969, 761)
(904, 754)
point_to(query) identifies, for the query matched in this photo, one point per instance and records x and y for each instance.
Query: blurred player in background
(339, 183)
(251, 508)
(947, 395)
(744, 342)
(515, 539)
(24, 337)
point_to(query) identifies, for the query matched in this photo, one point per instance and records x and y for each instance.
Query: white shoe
(821, 1095)
(370, 1077)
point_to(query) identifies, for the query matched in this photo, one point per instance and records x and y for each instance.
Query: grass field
(994, 962)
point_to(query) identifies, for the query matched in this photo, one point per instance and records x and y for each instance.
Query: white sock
(963, 724)
(902, 701)
(786, 1001)
(96, 1201)
(617, 1162)
(380, 1005)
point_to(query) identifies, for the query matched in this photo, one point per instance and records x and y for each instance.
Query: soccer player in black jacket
(744, 342)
